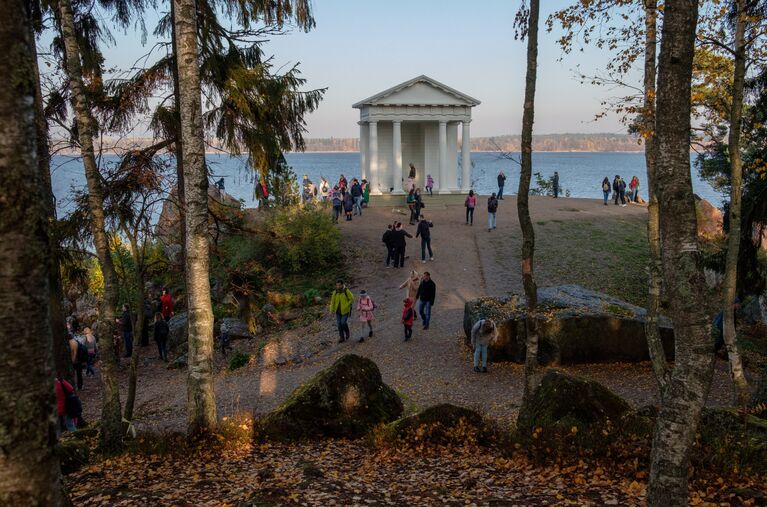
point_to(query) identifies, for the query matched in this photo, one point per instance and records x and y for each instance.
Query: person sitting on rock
(483, 334)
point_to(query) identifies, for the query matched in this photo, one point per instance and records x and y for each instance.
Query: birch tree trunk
(654, 344)
(532, 368)
(729, 283)
(111, 413)
(684, 282)
(29, 470)
(201, 402)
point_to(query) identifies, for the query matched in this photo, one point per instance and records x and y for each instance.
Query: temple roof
(419, 91)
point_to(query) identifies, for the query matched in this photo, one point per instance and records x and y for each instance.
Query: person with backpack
(161, 332)
(337, 201)
(426, 293)
(68, 406)
(408, 315)
(366, 308)
(324, 190)
(606, 189)
(92, 348)
(483, 333)
(492, 209)
(348, 203)
(424, 231)
(341, 306)
(79, 354)
(470, 203)
(411, 206)
(501, 183)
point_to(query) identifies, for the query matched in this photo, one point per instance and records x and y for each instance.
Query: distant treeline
(547, 142)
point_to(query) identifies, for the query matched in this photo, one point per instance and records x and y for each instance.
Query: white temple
(415, 122)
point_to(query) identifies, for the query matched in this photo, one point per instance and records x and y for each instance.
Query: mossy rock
(565, 405)
(73, 454)
(444, 423)
(731, 441)
(345, 400)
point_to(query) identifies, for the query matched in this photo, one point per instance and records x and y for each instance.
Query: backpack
(82, 353)
(492, 205)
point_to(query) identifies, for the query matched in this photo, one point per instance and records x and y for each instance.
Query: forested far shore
(509, 143)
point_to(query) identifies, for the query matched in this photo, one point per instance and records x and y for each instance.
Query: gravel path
(434, 366)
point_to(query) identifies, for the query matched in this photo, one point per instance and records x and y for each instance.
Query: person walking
(408, 315)
(634, 186)
(411, 285)
(356, 192)
(606, 189)
(166, 304)
(348, 203)
(483, 333)
(92, 348)
(79, 355)
(617, 193)
(63, 390)
(470, 203)
(387, 241)
(426, 293)
(366, 309)
(161, 332)
(501, 183)
(419, 205)
(411, 206)
(492, 209)
(424, 231)
(400, 244)
(555, 184)
(429, 184)
(341, 306)
(337, 200)
(126, 324)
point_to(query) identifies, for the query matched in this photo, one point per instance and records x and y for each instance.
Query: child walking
(365, 307)
(407, 318)
(429, 184)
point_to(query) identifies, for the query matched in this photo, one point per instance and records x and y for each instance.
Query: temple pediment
(419, 91)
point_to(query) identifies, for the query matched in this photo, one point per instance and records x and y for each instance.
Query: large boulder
(442, 424)
(575, 325)
(73, 454)
(567, 405)
(236, 328)
(345, 400)
(178, 327)
(710, 219)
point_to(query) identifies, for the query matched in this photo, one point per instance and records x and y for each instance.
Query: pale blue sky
(362, 47)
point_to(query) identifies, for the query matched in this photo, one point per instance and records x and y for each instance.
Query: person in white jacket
(483, 334)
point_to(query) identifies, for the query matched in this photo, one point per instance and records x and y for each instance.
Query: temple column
(375, 181)
(397, 147)
(363, 149)
(466, 157)
(443, 187)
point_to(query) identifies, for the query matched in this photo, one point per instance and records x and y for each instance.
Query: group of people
(345, 198)
(618, 188)
(470, 203)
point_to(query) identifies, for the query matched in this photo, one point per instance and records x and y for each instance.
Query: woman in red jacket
(166, 304)
(408, 314)
(63, 388)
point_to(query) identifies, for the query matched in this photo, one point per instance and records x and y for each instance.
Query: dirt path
(435, 366)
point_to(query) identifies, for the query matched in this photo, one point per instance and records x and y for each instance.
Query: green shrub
(304, 240)
(238, 360)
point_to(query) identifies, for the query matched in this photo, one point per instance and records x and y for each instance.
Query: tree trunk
(138, 328)
(684, 282)
(532, 368)
(729, 283)
(654, 344)
(62, 357)
(111, 414)
(29, 470)
(201, 402)
(179, 150)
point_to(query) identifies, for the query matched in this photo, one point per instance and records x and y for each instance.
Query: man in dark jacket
(398, 245)
(424, 232)
(492, 208)
(501, 182)
(356, 191)
(555, 184)
(126, 324)
(427, 291)
(161, 332)
(387, 240)
(617, 190)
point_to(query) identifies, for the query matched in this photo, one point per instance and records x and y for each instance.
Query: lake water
(580, 173)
